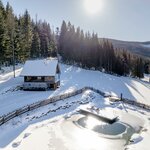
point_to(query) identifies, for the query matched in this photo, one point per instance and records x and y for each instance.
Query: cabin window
(39, 78)
(28, 79)
(34, 79)
(49, 78)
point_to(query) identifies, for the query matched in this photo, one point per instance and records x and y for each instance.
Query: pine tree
(138, 68)
(27, 35)
(35, 47)
(62, 38)
(147, 67)
(9, 34)
(18, 41)
(2, 30)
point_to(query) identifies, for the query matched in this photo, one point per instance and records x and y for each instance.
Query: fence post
(2, 121)
(16, 112)
(121, 97)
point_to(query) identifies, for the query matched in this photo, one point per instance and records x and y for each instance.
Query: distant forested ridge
(24, 38)
(88, 51)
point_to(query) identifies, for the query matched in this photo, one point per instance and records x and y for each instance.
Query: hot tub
(114, 131)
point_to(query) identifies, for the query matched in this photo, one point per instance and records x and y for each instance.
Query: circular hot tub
(115, 130)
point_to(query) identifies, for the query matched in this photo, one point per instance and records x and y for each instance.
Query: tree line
(88, 51)
(25, 38)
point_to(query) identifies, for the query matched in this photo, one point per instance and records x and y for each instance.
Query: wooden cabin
(41, 74)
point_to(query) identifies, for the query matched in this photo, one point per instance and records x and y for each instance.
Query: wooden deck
(99, 117)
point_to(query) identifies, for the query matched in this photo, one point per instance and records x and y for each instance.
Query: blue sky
(118, 19)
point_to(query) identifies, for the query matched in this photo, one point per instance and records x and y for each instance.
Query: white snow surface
(43, 67)
(40, 129)
(72, 78)
(45, 128)
(146, 78)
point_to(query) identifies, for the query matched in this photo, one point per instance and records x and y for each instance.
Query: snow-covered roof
(44, 67)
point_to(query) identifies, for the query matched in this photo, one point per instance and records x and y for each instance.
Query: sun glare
(91, 122)
(93, 6)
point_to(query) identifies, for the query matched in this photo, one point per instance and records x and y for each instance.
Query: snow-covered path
(71, 78)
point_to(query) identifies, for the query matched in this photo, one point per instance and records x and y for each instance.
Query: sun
(93, 6)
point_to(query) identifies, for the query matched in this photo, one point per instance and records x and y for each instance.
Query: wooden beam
(99, 117)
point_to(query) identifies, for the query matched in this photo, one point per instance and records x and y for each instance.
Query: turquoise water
(118, 129)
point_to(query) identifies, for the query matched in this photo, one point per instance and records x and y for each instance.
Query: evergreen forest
(22, 38)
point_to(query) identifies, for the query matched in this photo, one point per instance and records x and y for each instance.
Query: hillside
(140, 48)
(71, 78)
(27, 131)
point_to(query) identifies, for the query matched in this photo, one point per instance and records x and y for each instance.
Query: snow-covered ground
(146, 78)
(71, 78)
(47, 128)
(35, 130)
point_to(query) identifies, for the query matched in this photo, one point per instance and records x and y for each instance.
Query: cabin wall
(57, 77)
(40, 83)
(50, 79)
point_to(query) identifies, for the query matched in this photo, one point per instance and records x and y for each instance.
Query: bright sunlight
(92, 122)
(93, 6)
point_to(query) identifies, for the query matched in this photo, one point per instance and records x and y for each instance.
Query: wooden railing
(38, 104)
(134, 103)
(20, 111)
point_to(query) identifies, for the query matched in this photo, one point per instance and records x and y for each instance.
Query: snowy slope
(71, 78)
(44, 128)
(36, 129)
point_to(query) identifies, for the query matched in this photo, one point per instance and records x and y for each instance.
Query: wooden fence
(38, 104)
(134, 103)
